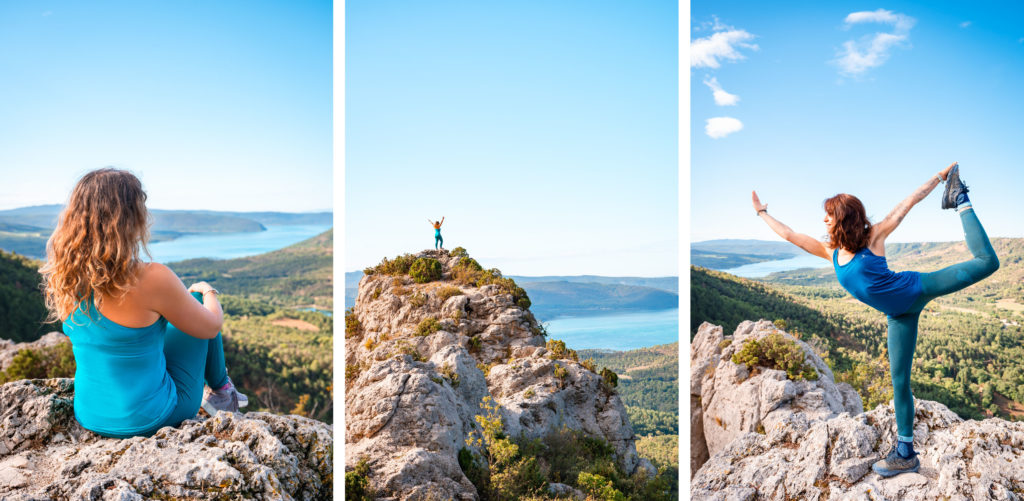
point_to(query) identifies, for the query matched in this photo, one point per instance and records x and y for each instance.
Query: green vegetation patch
(467, 271)
(774, 351)
(44, 363)
(357, 483)
(425, 270)
(397, 266)
(22, 310)
(428, 326)
(558, 351)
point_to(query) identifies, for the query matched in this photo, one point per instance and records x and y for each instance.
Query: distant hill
(747, 246)
(300, 274)
(554, 296)
(725, 260)
(648, 383)
(21, 302)
(26, 229)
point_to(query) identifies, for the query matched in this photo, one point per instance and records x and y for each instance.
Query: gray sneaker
(894, 464)
(224, 399)
(954, 188)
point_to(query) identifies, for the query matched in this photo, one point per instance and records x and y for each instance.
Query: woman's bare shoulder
(154, 276)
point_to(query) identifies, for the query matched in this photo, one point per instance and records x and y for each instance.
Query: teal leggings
(191, 362)
(903, 328)
(438, 241)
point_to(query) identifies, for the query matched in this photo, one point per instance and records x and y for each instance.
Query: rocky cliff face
(767, 437)
(46, 454)
(411, 398)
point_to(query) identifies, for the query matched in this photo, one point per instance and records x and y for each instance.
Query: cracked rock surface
(411, 400)
(814, 445)
(46, 454)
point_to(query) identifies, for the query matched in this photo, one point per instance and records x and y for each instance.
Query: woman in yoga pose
(438, 241)
(143, 343)
(856, 249)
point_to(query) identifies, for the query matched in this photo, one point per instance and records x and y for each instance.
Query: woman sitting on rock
(856, 249)
(143, 343)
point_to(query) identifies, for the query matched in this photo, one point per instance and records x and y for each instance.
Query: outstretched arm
(805, 242)
(442, 220)
(888, 225)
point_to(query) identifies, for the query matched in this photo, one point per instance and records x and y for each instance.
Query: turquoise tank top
(868, 278)
(122, 388)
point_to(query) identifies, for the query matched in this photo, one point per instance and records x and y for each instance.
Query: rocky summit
(45, 454)
(758, 434)
(421, 358)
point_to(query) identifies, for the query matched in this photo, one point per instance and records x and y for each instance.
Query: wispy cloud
(723, 45)
(720, 127)
(965, 24)
(858, 56)
(722, 98)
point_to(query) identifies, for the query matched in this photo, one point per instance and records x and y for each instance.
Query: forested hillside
(970, 350)
(21, 302)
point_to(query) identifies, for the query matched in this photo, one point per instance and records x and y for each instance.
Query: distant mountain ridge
(25, 230)
(555, 295)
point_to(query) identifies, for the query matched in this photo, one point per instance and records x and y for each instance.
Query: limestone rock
(411, 401)
(824, 452)
(46, 454)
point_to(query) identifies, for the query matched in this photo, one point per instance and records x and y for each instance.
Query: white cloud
(858, 56)
(965, 24)
(720, 127)
(707, 52)
(722, 98)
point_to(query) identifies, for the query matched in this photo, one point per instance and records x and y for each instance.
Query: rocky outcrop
(814, 442)
(411, 398)
(8, 349)
(46, 454)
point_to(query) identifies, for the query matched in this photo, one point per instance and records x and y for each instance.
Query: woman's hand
(944, 173)
(200, 287)
(758, 206)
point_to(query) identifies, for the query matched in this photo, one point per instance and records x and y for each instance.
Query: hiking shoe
(894, 464)
(954, 188)
(224, 399)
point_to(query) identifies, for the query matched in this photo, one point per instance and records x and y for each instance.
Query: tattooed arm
(882, 229)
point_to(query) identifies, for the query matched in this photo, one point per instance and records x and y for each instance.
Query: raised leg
(960, 275)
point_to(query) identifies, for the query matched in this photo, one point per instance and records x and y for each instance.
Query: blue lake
(232, 245)
(763, 269)
(626, 331)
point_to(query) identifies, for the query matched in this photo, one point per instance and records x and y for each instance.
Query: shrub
(509, 474)
(475, 344)
(459, 252)
(449, 373)
(418, 299)
(352, 326)
(561, 372)
(557, 350)
(610, 377)
(529, 393)
(425, 270)
(538, 329)
(589, 365)
(357, 485)
(399, 266)
(447, 292)
(351, 372)
(43, 363)
(485, 368)
(428, 326)
(599, 487)
(404, 348)
(774, 351)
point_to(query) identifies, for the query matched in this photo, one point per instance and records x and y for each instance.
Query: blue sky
(868, 99)
(220, 105)
(545, 132)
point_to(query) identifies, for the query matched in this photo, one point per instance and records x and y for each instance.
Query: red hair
(851, 229)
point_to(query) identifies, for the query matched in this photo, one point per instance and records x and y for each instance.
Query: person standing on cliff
(856, 249)
(438, 241)
(143, 343)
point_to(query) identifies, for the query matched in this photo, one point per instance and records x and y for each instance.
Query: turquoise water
(232, 245)
(625, 331)
(758, 270)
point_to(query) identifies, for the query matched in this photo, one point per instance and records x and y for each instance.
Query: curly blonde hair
(95, 247)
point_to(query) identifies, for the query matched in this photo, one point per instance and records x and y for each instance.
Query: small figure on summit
(856, 249)
(438, 241)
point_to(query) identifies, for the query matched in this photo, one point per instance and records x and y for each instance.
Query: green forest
(970, 349)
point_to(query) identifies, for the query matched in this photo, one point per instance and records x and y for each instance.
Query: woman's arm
(883, 228)
(805, 242)
(442, 220)
(166, 294)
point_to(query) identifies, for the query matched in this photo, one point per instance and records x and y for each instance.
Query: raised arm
(805, 242)
(167, 295)
(442, 220)
(883, 228)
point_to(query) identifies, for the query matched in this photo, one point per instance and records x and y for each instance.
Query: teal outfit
(886, 297)
(133, 381)
(438, 241)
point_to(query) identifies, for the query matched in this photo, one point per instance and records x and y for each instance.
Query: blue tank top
(868, 278)
(122, 388)
(437, 232)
